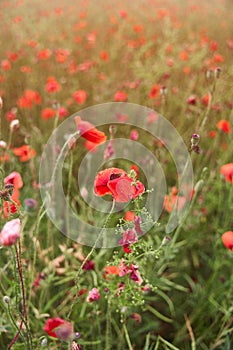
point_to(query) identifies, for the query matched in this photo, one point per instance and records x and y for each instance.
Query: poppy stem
(87, 258)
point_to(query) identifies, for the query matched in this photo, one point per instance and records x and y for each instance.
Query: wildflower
(104, 55)
(15, 179)
(155, 91)
(89, 132)
(120, 96)
(89, 265)
(30, 204)
(227, 239)
(80, 96)
(61, 55)
(129, 237)
(59, 328)
(10, 232)
(137, 222)
(116, 182)
(224, 126)
(28, 99)
(134, 135)
(191, 100)
(111, 270)
(172, 201)
(37, 281)
(24, 153)
(129, 216)
(11, 115)
(6, 65)
(136, 317)
(123, 269)
(44, 54)
(48, 113)
(135, 275)
(206, 99)
(93, 295)
(227, 171)
(62, 112)
(52, 85)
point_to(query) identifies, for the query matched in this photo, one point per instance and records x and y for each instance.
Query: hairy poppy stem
(24, 319)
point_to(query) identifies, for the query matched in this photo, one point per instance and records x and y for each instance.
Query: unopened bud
(217, 72)
(44, 342)
(112, 130)
(2, 144)
(163, 90)
(6, 299)
(199, 185)
(1, 103)
(165, 240)
(194, 140)
(14, 125)
(209, 73)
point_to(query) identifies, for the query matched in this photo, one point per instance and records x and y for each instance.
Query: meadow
(99, 71)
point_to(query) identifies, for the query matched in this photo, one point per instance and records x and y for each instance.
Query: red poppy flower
(120, 96)
(48, 113)
(52, 85)
(129, 216)
(89, 132)
(6, 65)
(59, 328)
(111, 270)
(61, 55)
(15, 179)
(24, 153)
(80, 96)
(44, 54)
(29, 98)
(172, 201)
(102, 179)
(116, 182)
(224, 126)
(155, 91)
(227, 171)
(10, 208)
(227, 239)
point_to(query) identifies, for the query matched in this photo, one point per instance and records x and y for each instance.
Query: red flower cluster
(116, 182)
(29, 98)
